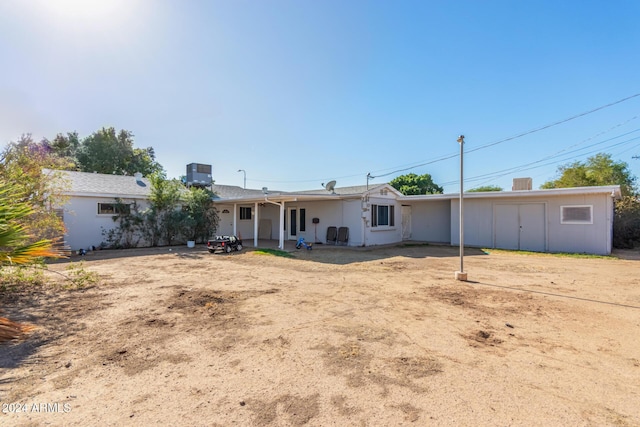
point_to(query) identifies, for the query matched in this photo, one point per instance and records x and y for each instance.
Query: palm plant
(15, 247)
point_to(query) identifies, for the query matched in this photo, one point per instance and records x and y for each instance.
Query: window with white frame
(382, 215)
(576, 214)
(114, 209)
(245, 213)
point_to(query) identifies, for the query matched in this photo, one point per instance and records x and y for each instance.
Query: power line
(529, 133)
(499, 174)
(554, 124)
(450, 156)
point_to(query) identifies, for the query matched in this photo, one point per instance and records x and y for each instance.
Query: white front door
(406, 222)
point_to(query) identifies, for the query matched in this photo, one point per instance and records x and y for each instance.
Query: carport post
(235, 216)
(255, 227)
(461, 275)
(281, 237)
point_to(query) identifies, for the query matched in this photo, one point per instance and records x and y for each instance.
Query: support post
(281, 237)
(461, 275)
(255, 227)
(235, 219)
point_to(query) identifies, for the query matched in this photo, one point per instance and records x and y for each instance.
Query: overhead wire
(481, 147)
(488, 177)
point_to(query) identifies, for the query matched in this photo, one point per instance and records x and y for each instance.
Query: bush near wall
(626, 223)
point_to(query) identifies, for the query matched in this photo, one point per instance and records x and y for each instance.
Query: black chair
(343, 235)
(332, 234)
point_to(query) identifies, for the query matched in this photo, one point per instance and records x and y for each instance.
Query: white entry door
(406, 222)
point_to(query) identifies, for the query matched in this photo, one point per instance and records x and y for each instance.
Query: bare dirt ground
(332, 337)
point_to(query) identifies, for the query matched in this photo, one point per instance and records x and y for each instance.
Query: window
(382, 215)
(113, 209)
(579, 214)
(303, 219)
(245, 213)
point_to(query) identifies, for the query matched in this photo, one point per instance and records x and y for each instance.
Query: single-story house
(555, 220)
(91, 203)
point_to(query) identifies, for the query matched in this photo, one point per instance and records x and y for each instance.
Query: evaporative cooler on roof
(199, 174)
(520, 184)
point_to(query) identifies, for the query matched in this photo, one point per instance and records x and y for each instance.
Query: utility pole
(461, 275)
(245, 177)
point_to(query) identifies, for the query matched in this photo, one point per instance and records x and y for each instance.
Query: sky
(299, 92)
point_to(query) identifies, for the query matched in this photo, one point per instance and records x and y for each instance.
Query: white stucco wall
(83, 223)
(383, 235)
(338, 213)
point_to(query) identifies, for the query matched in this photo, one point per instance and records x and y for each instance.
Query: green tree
(30, 167)
(596, 170)
(602, 170)
(203, 216)
(485, 188)
(412, 184)
(66, 147)
(164, 222)
(111, 152)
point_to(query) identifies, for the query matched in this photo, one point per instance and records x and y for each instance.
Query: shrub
(626, 223)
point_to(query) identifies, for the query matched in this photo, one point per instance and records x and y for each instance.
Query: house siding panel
(478, 222)
(431, 222)
(582, 238)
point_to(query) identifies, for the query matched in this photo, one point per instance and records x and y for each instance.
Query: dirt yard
(332, 337)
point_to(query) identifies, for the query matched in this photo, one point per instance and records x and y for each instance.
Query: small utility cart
(224, 244)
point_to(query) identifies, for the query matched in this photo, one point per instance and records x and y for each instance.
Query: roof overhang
(612, 190)
(105, 195)
(289, 197)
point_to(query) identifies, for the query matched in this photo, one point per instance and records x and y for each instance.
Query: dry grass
(10, 330)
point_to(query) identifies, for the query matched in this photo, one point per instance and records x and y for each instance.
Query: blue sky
(301, 92)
